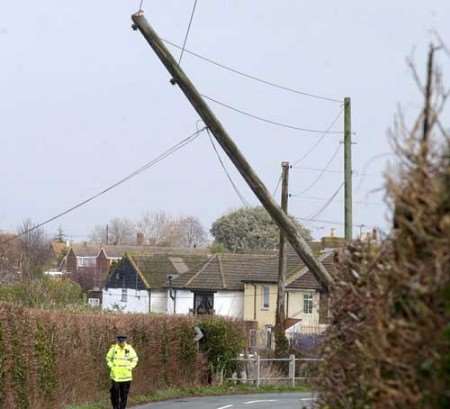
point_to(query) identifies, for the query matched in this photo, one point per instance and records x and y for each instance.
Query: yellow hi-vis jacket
(121, 362)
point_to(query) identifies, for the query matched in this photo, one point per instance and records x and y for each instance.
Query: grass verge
(175, 393)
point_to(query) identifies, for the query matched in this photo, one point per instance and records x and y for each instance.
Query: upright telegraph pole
(348, 168)
(282, 262)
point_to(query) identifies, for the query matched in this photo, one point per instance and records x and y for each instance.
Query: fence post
(258, 371)
(292, 369)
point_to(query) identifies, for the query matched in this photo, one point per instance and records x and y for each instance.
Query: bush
(389, 343)
(224, 340)
(50, 358)
(44, 292)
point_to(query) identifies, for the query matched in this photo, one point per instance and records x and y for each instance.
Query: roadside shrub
(389, 343)
(224, 340)
(44, 292)
(53, 358)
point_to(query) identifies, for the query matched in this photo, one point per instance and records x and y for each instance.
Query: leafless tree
(119, 230)
(9, 257)
(189, 232)
(154, 226)
(34, 248)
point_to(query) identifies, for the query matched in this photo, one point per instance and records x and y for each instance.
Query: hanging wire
(251, 76)
(235, 188)
(323, 170)
(135, 173)
(187, 32)
(266, 120)
(320, 139)
(277, 186)
(325, 206)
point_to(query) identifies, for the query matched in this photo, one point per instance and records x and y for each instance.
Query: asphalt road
(260, 401)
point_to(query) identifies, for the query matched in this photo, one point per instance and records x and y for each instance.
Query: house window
(93, 302)
(265, 297)
(86, 261)
(308, 303)
(124, 295)
(204, 303)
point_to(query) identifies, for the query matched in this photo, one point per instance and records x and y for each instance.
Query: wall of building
(158, 301)
(229, 304)
(264, 316)
(295, 307)
(184, 302)
(71, 263)
(137, 301)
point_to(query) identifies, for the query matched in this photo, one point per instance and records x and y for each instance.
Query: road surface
(259, 401)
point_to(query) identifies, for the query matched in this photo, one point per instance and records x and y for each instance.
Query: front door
(203, 303)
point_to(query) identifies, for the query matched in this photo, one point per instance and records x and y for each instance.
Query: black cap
(121, 338)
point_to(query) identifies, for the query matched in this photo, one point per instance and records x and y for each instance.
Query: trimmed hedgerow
(49, 359)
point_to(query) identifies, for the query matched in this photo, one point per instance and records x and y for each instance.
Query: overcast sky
(84, 101)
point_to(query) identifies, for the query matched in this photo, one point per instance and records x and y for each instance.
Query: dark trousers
(119, 394)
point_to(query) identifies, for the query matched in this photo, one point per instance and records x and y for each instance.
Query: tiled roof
(85, 250)
(230, 271)
(305, 279)
(115, 251)
(119, 251)
(156, 268)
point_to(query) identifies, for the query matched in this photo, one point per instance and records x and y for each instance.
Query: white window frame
(265, 297)
(124, 296)
(308, 303)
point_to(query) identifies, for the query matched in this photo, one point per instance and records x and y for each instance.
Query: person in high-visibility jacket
(121, 360)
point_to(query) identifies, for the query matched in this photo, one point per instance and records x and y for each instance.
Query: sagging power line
(133, 174)
(325, 206)
(187, 31)
(269, 121)
(222, 164)
(319, 177)
(253, 77)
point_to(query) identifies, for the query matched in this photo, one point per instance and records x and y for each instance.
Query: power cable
(331, 222)
(269, 121)
(277, 186)
(355, 172)
(187, 32)
(319, 140)
(323, 199)
(235, 188)
(323, 171)
(252, 77)
(141, 5)
(143, 168)
(329, 201)
(367, 165)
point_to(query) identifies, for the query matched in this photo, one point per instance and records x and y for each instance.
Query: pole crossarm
(280, 218)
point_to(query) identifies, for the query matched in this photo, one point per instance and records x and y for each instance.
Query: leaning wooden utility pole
(348, 216)
(282, 260)
(230, 148)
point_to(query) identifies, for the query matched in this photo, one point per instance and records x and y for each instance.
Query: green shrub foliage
(223, 341)
(53, 358)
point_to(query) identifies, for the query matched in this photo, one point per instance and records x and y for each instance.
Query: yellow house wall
(266, 316)
(295, 307)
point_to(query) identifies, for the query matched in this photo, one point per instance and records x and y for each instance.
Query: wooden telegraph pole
(348, 215)
(282, 261)
(230, 148)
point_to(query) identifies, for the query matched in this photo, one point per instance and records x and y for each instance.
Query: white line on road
(259, 401)
(307, 398)
(225, 407)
